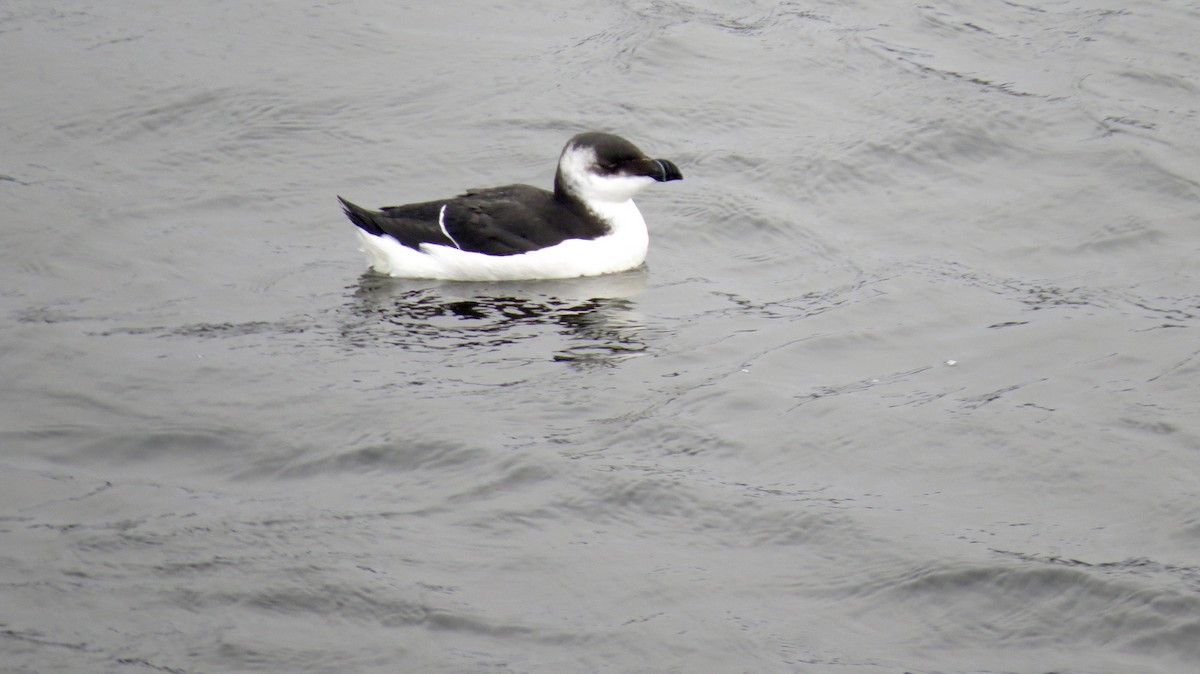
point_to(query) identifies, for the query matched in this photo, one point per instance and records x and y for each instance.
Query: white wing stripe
(442, 224)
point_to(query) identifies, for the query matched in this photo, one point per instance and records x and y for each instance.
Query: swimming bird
(587, 226)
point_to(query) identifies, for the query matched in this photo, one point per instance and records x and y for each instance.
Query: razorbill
(587, 226)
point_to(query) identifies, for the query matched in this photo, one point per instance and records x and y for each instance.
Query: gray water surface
(908, 384)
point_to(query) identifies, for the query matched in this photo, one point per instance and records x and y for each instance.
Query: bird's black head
(597, 165)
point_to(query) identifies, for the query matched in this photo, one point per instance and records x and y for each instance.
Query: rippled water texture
(909, 383)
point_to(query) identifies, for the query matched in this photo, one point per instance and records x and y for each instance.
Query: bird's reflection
(595, 316)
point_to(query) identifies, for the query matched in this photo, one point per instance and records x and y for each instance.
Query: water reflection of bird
(596, 315)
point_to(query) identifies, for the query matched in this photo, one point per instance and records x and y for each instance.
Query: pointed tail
(362, 217)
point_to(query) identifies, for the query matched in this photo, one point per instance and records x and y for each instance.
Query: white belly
(623, 249)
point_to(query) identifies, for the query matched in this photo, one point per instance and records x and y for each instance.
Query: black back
(495, 221)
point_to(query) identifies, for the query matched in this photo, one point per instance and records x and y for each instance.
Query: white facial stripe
(579, 169)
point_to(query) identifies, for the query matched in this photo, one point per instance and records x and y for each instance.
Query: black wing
(495, 221)
(411, 228)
